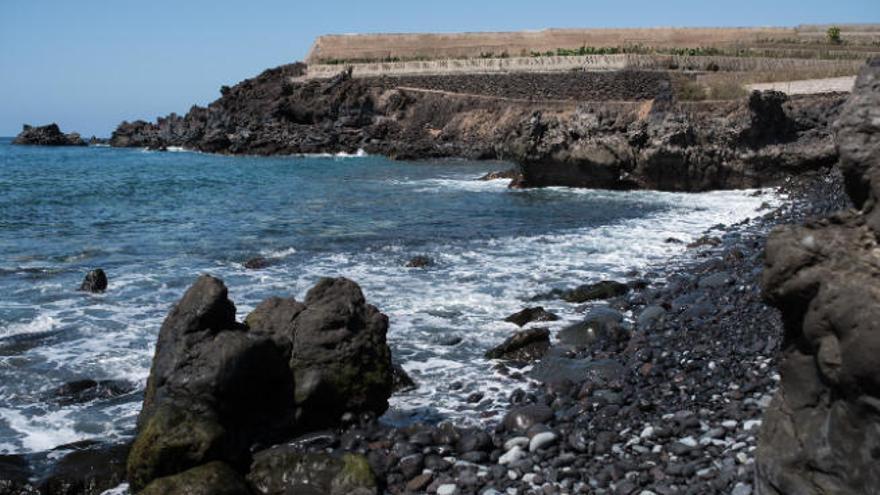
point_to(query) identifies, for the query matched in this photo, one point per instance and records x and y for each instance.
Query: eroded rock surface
(47, 135)
(219, 389)
(821, 434)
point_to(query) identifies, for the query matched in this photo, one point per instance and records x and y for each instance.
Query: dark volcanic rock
(214, 478)
(14, 475)
(526, 345)
(600, 290)
(95, 281)
(529, 315)
(47, 135)
(419, 262)
(257, 263)
(81, 391)
(600, 323)
(821, 434)
(402, 382)
(523, 418)
(90, 469)
(218, 387)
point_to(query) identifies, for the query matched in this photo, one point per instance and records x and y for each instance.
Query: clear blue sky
(90, 64)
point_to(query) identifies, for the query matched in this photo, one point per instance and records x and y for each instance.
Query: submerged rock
(402, 382)
(81, 391)
(821, 433)
(419, 262)
(592, 292)
(257, 263)
(47, 135)
(218, 387)
(95, 281)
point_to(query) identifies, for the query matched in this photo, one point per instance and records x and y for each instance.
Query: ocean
(154, 221)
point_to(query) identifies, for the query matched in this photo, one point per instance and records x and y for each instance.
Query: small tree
(833, 35)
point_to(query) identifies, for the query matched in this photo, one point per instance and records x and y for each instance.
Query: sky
(88, 65)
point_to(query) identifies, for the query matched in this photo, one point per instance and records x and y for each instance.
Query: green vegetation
(833, 35)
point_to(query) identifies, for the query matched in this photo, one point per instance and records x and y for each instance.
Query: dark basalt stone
(47, 135)
(419, 262)
(592, 292)
(218, 387)
(600, 323)
(95, 281)
(81, 391)
(89, 469)
(526, 345)
(257, 263)
(402, 382)
(282, 471)
(529, 315)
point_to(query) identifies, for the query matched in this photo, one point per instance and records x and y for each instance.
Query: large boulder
(526, 345)
(47, 135)
(217, 387)
(821, 433)
(214, 478)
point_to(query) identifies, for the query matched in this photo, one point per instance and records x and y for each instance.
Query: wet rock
(91, 469)
(600, 323)
(401, 380)
(821, 433)
(526, 345)
(419, 483)
(214, 478)
(716, 280)
(651, 316)
(705, 241)
(529, 315)
(15, 475)
(553, 369)
(592, 292)
(501, 174)
(281, 471)
(257, 263)
(81, 391)
(419, 262)
(47, 135)
(218, 387)
(522, 418)
(95, 281)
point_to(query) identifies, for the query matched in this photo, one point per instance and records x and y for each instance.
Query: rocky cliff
(821, 434)
(563, 129)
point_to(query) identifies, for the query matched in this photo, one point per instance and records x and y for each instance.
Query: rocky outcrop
(562, 129)
(666, 146)
(219, 389)
(94, 281)
(821, 434)
(47, 135)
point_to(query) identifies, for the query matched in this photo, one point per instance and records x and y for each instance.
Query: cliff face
(563, 129)
(821, 434)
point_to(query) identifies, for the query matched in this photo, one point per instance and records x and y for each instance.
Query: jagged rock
(282, 470)
(47, 135)
(214, 478)
(821, 433)
(217, 387)
(15, 475)
(529, 315)
(95, 281)
(526, 345)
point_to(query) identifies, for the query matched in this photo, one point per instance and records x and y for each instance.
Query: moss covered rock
(214, 478)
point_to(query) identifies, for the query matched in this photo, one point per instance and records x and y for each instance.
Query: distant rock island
(47, 135)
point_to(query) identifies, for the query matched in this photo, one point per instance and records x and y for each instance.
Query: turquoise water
(154, 221)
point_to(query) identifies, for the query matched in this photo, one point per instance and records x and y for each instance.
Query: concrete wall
(580, 63)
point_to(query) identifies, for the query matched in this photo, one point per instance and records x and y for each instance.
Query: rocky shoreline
(558, 137)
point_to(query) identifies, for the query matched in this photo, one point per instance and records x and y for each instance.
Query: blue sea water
(155, 221)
